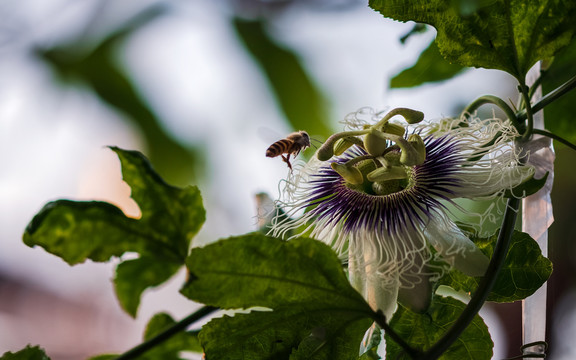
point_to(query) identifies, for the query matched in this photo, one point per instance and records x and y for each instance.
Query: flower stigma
(378, 194)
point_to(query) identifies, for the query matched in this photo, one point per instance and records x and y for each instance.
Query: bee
(291, 145)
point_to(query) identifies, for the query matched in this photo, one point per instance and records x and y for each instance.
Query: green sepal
(421, 331)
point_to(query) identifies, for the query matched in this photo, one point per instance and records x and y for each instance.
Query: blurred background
(202, 88)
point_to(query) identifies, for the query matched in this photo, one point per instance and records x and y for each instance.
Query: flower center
(384, 166)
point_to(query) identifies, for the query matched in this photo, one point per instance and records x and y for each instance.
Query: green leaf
(509, 35)
(257, 270)
(524, 270)
(430, 67)
(558, 115)
(77, 231)
(104, 357)
(135, 276)
(316, 314)
(297, 95)
(28, 353)
(421, 331)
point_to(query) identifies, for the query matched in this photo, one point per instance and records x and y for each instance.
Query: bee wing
(268, 135)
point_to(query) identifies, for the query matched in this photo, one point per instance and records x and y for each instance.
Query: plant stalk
(485, 286)
(166, 334)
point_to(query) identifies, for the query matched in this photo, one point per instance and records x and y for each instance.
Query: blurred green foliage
(100, 71)
(297, 95)
(558, 115)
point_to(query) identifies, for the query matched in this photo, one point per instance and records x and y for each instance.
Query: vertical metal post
(536, 218)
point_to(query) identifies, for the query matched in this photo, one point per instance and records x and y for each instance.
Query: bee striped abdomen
(279, 147)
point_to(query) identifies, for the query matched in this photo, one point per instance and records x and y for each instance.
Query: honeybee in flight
(291, 145)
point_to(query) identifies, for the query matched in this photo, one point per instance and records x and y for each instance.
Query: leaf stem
(523, 88)
(555, 137)
(549, 98)
(166, 334)
(491, 99)
(485, 286)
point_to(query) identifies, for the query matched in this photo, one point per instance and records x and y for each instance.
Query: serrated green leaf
(135, 276)
(28, 353)
(77, 231)
(430, 67)
(297, 95)
(176, 212)
(524, 271)
(257, 270)
(301, 280)
(292, 333)
(509, 35)
(421, 331)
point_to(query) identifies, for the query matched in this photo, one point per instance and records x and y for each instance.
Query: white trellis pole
(536, 218)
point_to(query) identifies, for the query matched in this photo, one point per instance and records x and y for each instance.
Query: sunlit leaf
(78, 231)
(509, 35)
(524, 271)
(421, 331)
(257, 270)
(297, 95)
(430, 67)
(315, 313)
(28, 353)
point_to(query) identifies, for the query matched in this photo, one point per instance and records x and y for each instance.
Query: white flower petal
(455, 247)
(486, 182)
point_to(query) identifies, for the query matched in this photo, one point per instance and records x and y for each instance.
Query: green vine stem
(524, 90)
(555, 137)
(166, 334)
(485, 286)
(494, 100)
(549, 98)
